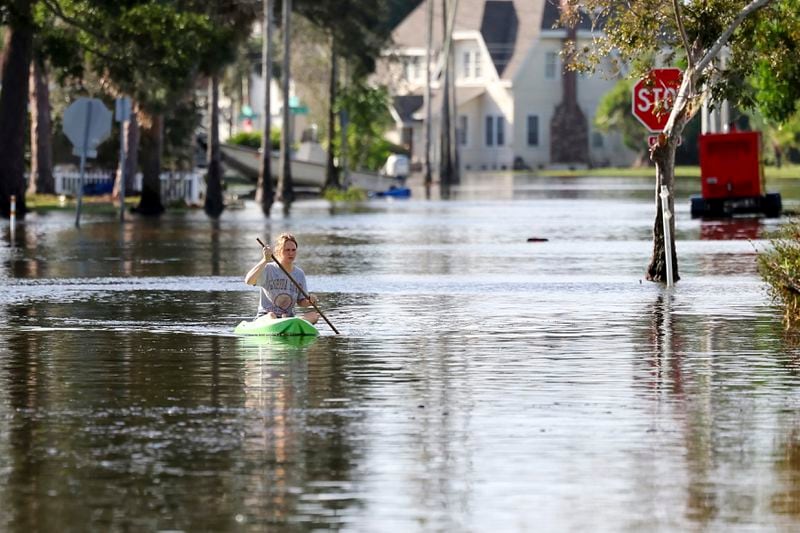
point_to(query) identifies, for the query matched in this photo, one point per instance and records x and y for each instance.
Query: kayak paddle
(300, 288)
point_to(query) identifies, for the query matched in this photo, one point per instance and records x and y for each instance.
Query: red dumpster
(732, 180)
(730, 166)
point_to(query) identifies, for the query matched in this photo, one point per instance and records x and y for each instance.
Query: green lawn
(785, 172)
(89, 204)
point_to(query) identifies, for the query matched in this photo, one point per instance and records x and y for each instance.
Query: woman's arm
(251, 278)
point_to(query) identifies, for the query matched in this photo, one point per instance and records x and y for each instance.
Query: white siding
(535, 94)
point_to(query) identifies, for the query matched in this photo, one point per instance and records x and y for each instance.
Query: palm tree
(285, 188)
(265, 193)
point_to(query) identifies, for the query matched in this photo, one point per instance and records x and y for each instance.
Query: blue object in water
(394, 192)
(97, 188)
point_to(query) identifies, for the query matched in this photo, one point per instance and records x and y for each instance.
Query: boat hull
(290, 326)
(308, 174)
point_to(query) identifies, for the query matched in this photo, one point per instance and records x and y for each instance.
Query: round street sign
(87, 123)
(654, 95)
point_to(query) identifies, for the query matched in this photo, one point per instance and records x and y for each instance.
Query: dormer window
(413, 68)
(471, 64)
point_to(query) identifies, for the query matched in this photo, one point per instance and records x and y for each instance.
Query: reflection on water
(482, 382)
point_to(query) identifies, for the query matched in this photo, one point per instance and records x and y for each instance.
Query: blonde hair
(281, 241)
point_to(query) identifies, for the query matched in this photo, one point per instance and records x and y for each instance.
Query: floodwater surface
(481, 382)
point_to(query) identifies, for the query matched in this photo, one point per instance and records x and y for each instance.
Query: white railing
(175, 186)
(67, 182)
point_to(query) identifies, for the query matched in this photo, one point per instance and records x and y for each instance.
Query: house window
(550, 65)
(471, 64)
(461, 133)
(533, 130)
(597, 139)
(413, 68)
(489, 130)
(501, 130)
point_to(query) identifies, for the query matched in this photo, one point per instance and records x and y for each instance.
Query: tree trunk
(455, 174)
(152, 142)
(265, 192)
(41, 175)
(446, 127)
(331, 175)
(428, 114)
(285, 186)
(14, 65)
(664, 158)
(131, 141)
(214, 204)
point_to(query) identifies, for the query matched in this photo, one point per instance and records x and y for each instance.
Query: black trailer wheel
(772, 205)
(698, 206)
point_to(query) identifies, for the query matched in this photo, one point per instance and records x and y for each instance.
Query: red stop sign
(654, 95)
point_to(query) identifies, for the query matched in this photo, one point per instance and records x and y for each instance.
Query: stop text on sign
(653, 97)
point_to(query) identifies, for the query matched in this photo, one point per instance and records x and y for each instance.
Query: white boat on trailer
(305, 174)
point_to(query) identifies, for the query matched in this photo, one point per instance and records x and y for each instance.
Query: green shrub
(352, 194)
(780, 268)
(252, 139)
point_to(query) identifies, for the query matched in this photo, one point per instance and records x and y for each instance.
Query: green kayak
(276, 326)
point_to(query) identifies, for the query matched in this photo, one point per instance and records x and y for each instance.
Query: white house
(515, 106)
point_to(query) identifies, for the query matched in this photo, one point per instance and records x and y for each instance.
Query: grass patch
(89, 204)
(681, 172)
(784, 172)
(349, 195)
(780, 268)
(622, 172)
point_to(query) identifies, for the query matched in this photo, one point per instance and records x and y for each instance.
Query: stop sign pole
(83, 151)
(123, 115)
(653, 97)
(87, 123)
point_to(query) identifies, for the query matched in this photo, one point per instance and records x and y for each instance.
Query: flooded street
(481, 382)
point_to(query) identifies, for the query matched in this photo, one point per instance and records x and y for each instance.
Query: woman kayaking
(278, 294)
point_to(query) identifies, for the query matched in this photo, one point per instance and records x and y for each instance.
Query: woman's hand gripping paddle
(299, 287)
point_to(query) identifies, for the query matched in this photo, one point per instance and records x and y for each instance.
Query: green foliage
(761, 72)
(359, 29)
(252, 139)
(369, 118)
(780, 268)
(179, 127)
(614, 114)
(778, 139)
(156, 52)
(765, 57)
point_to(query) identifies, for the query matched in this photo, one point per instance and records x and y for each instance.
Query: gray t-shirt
(278, 294)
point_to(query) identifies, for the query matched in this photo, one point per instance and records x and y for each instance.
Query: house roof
(551, 15)
(508, 28)
(463, 95)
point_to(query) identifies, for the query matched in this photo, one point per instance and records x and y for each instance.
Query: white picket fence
(175, 186)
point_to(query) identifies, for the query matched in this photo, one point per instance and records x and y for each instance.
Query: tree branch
(676, 6)
(753, 6)
(56, 10)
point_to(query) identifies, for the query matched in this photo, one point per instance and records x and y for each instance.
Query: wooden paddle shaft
(299, 287)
